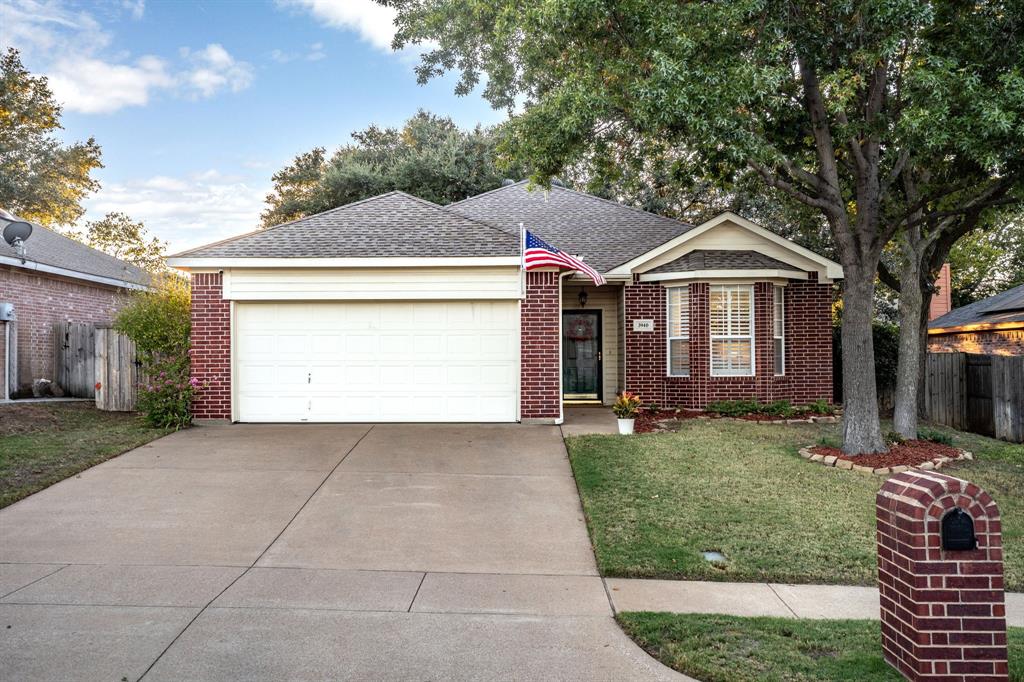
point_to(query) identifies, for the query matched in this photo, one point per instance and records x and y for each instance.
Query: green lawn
(732, 649)
(655, 502)
(42, 443)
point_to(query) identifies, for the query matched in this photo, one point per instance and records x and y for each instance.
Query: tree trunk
(922, 331)
(908, 372)
(862, 433)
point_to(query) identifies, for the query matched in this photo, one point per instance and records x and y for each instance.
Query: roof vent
(507, 182)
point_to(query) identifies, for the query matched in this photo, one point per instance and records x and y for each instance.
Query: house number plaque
(643, 325)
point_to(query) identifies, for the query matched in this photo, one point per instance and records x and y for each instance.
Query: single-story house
(991, 326)
(397, 309)
(53, 279)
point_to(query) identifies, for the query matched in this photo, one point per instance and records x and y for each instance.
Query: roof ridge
(261, 230)
(483, 194)
(83, 245)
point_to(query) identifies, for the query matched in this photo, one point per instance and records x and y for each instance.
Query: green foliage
(893, 438)
(124, 238)
(780, 409)
(159, 323)
(935, 436)
(41, 179)
(821, 406)
(735, 408)
(428, 157)
(987, 262)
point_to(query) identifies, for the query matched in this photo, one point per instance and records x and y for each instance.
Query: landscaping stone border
(833, 461)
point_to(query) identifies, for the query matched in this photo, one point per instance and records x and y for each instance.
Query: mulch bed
(647, 420)
(910, 453)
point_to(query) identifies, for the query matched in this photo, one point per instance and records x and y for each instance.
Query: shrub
(934, 436)
(735, 408)
(159, 324)
(821, 406)
(626, 404)
(893, 438)
(779, 408)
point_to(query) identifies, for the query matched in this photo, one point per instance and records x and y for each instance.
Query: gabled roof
(603, 232)
(51, 251)
(1003, 308)
(716, 259)
(390, 225)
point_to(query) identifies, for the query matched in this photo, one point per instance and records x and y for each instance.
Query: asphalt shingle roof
(722, 260)
(390, 225)
(54, 249)
(603, 232)
(1007, 306)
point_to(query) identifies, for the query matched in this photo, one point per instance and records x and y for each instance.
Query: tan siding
(607, 300)
(275, 284)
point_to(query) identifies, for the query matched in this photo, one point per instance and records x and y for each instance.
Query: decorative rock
(900, 469)
(844, 464)
(829, 461)
(865, 470)
(882, 471)
(825, 420)
(967, 455)
(805, 453)
(817, 458)
(926, 465)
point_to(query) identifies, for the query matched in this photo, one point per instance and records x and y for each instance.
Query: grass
(655, 502)
(732, 649)
(43, 443)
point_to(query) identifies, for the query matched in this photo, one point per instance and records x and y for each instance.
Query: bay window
(678, 331)
(731, 320)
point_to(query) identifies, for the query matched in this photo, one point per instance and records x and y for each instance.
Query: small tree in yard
(158, 322)
(882, 115)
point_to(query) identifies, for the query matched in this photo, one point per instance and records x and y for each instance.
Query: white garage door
(377, 361)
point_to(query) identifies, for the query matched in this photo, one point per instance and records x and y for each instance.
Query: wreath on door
(581, 329)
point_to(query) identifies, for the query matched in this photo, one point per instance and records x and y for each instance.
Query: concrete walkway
(762, 599)
(311, 552)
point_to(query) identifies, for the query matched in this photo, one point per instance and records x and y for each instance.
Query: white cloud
(93, 86)
(185, 211)
(314, 54)
(136, 7)
(214, 69)
(374, 23)
(71, 47)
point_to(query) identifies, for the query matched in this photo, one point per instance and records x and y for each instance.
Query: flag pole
(522, 261)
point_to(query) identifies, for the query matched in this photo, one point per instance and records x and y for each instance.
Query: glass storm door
(581, 355)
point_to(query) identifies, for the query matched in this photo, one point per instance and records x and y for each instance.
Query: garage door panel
(377, 361)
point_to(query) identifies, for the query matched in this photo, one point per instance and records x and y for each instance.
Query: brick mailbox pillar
(943, 615)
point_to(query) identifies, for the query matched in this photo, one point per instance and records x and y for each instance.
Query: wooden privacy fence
(74, 358)
(89, 355)
(117, 372)
(979, 393)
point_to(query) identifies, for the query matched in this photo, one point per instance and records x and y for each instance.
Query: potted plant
(625, 406)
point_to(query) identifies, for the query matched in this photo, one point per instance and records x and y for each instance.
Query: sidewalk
(761, 599)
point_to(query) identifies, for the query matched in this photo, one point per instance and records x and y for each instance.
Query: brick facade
(211, 347)
(808, 348)
(541, 348)
(943, 612)
(994, 342)
(39, 301)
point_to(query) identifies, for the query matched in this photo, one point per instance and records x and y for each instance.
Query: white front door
(424, 361)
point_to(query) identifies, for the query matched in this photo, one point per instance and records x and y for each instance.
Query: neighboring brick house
(991, 326)
(57, 279)
(397, 309)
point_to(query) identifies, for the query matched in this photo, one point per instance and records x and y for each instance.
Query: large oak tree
(844, 105)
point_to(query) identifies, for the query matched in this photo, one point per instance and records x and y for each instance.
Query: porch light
(582, 298)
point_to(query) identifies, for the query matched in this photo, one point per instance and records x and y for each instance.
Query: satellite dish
(16, 232)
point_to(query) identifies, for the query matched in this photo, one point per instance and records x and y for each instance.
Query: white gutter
(185, 262)
(725, 274)
(74, 274)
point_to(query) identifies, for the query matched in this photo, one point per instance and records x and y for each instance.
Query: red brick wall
(211, 347)
(1001, 342)
(39, 301)
(943, 612)
(541, 385)
(808, 340)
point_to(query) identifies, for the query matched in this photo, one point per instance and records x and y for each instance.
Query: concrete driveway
(313, 552)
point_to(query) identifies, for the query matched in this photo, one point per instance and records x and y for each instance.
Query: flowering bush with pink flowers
(158, 321)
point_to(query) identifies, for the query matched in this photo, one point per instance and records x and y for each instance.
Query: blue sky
(197, 104)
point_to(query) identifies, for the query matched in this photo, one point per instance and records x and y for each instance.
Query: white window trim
(712, 337)
(781, 336)
(668, 326)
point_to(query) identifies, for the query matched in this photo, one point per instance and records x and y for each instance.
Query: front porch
(592, 343)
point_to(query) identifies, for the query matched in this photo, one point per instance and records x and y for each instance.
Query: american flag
(539, 254)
